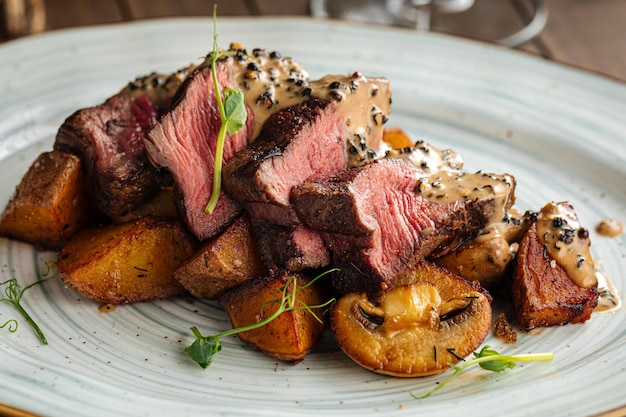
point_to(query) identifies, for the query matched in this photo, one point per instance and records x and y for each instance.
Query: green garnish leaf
(490, 360)
(231, 105)
(500, 364)
(204, 348)
(13, 295)
(235, 110)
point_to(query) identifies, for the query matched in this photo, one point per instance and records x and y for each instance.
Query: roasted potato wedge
(542, 293)
(50, 203)
(292, 335)
(223, 263)
(486, 259)
(434, 318)
(127, 262)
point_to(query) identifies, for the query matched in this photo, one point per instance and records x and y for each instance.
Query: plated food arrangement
(333, 222)
(312, 180)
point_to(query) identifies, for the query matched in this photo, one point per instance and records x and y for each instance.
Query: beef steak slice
(302, 143)
(383, 217)
(184, 142)
(109, 140)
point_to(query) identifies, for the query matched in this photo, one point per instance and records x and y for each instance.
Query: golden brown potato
(434, 318)
(127, 262)
(488, 258)
(542, 293)
(50, 203)
(223, 263)
(289, 337)
(485, 259)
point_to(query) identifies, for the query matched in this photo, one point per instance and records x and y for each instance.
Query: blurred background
(590, 34)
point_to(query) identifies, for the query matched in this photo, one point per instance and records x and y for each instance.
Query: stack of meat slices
(310, 169)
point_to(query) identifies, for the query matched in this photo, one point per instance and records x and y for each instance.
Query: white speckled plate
(560, 131)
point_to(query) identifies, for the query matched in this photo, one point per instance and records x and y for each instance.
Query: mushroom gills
(419, 328)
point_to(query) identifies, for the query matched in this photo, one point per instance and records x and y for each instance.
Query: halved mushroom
(419, 328)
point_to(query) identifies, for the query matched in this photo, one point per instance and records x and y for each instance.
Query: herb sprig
(204, 348)
(490, 360)
(233, 115)
(13, 295)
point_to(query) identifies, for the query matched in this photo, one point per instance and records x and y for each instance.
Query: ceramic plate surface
(559, 131)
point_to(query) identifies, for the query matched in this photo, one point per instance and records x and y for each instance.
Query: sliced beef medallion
(184, 141)
(109, 140)
(339, 125)
(383, 217)
(302, 143)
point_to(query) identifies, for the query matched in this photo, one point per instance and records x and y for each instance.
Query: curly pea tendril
(233, 115)
(13, 295)
(204, 348)
(489, 360)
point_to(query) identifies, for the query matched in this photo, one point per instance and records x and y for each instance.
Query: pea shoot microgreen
(13, 295)
(204, 348)
(233, 115)
(490, 360)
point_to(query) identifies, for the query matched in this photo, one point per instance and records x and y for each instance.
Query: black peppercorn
(335, 95)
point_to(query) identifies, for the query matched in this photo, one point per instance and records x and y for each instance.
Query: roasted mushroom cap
(416, 329)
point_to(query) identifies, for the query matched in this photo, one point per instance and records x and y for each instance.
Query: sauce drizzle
(567, 242)
(610, 228)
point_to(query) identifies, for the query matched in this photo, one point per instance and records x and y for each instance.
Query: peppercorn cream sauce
(268, 81)
(365, 104)
(271, 82)
(446, 186)
(567, 242)
(427, 157)
(608, 297)
(610, 228)
(159, 87)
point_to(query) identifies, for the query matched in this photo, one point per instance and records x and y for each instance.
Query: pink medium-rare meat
(109, 140)
(339, 124)
(302, 143)
(184, 142)
(383, 217)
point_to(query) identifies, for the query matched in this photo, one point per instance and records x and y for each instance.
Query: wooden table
(583, 33)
